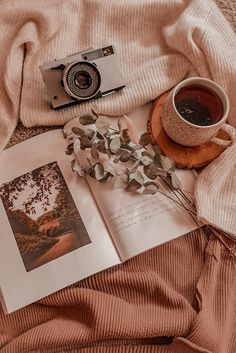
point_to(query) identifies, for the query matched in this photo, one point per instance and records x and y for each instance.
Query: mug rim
(215, 85)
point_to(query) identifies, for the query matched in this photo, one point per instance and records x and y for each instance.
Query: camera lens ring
(81, 80)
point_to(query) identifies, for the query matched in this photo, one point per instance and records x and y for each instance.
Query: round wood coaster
(184, 156)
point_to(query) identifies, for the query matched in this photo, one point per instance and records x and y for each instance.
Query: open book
(57, 228)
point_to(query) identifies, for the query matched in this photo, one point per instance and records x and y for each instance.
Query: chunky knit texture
(159, 44)
(176, 298)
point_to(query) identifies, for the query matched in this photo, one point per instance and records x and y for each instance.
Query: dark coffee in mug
(199, 105)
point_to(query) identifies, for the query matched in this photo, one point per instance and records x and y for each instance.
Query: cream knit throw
(160, 42)
(215, 192)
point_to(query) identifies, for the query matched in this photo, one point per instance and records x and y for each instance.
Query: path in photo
(66, 243)
(43, 216)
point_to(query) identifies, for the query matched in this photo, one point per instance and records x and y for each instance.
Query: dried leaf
(106, 142)
(108, 167)
(77, 168)
(90, 172)
(151, 183)
(121, 151)
(136, 147)
(77, 145)
(87, 119)
(124, 134)
(102, 124)
(108, 152)
(145, 139)
(68, 134)
(132, 130)
(94, 113)
(98, 171)
(77, 131)
(125, 157)
(64, 133)
(156, 149)
(70, 149)
(119, 124)
(89, 133)
(72, 163)
(89, 162)
(94, 138)
(134, 167)
(100, 136)
(115, 144)
(105, 177)
(101, 147)
(133, 186)
(138, 176)
(157, 152)
(94, 151)
(116, 159)
(152, 171)
(122, 181)
(146, 160)
(150, 153)
(150, 188)
(167, 163)
(85, 142)
(137, 154)
(126, 146)
(113, 133)
(175, 182)
(108, 135)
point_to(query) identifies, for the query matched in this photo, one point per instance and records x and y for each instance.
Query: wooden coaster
(184, 156)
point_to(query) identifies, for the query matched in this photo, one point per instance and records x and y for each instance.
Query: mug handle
(231, 131)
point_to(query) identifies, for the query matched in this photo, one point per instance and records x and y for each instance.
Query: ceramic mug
(186, 133)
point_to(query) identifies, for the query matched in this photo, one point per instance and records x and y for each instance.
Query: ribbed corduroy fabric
(160, 42)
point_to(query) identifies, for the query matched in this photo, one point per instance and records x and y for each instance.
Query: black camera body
(83, 76)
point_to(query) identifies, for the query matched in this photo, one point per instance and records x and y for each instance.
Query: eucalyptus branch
(145, 168)
(174, 191)
(189, 201)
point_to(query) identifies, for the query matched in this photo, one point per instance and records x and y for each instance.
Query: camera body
(83, 76)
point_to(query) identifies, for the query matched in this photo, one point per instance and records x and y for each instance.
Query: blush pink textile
(178, 297)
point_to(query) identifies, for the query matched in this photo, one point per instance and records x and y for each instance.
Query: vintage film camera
(82, 76)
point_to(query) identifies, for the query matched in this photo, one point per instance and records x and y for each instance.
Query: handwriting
(140, 211)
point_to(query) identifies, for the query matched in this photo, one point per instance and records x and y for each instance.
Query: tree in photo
(41, 181)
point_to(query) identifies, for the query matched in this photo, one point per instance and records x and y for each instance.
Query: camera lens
(83, 80)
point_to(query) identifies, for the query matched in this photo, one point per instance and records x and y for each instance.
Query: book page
(51, 232)
(139, 222)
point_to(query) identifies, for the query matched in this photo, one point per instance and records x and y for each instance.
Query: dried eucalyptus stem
(136, 163)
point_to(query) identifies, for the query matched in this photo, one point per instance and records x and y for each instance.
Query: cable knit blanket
(176, 298)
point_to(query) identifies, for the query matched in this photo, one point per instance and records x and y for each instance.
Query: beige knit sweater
(176, 298)
(159, 43)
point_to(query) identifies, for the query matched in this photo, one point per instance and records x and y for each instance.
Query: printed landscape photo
(43, 216)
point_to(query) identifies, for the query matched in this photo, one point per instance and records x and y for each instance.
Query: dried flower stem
(216, 233)
(191, 214)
